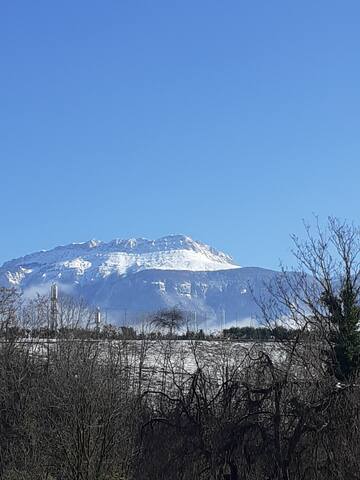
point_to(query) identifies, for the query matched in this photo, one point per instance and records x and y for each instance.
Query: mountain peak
(78, 262)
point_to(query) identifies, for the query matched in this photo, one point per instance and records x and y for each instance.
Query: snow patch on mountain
(78, 264)
(16, 277)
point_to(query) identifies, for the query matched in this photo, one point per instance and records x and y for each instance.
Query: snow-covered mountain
(139, 275)
(90, 260)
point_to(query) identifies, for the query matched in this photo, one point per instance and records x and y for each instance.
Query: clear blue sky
(229, 121)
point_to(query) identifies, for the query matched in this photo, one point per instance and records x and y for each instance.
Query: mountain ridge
(97, 258)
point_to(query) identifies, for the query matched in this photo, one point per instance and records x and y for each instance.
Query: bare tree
(320, 298)
(10, 301)
(170, 320)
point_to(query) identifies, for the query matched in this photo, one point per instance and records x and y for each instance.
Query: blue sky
(227, 121)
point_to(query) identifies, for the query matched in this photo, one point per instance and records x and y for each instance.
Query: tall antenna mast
(54, 307)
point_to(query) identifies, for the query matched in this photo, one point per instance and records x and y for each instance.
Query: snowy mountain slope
(221, 296)
(130, 277)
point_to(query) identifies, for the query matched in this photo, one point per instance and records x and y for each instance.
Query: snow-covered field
(169, 357)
